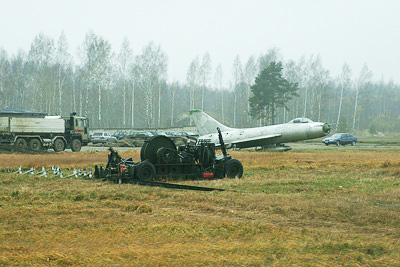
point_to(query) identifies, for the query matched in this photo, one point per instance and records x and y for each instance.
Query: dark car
(119, 135)
(340, 139)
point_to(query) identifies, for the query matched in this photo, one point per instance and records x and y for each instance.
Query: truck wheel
(58, 145)
(76, 145)
(21, 143)
(353, 143)
(145, 171)
(233, 168)
(337, 143)
(35, 144)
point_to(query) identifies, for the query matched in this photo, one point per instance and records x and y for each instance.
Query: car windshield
(97, 134)
(336, 135)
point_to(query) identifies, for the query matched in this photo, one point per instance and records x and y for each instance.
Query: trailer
(160, 158)
(36, 131)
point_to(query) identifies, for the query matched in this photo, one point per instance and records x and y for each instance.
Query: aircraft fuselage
(281, 133)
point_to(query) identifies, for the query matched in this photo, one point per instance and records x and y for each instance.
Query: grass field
(325, 207)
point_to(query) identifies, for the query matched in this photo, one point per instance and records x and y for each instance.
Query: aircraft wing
(254, 141)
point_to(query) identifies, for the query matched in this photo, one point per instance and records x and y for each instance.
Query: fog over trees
(128, 87)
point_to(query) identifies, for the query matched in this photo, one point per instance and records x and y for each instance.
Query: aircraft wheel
(233, 168)
(35, 144)
(21, 143)
(59, 145)
(145, 171)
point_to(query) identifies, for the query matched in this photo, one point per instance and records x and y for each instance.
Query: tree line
(120, 89)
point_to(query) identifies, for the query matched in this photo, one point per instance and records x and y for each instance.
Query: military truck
(37, 131)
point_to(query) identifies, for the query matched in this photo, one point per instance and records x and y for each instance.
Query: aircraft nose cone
(326, 128)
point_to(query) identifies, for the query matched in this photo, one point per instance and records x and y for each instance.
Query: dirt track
(295, 146)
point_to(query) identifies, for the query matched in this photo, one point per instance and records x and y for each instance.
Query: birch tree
(363, 78)
(249, 73)
(19, 79)
(40, 58)
(150, 71)
(192, 79)
(204, 73)
(97, 62)
(124, 61)
(218, 83)
(317, 80)
(4, 73)
(174, 88)
(264, 60)
(237, 76)
(293, 72)
(63, 61)
(86, 55)
(345, 81)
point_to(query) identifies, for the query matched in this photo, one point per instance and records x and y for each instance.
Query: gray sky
(352, 31)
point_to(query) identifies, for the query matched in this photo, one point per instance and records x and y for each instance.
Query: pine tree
(270, 92)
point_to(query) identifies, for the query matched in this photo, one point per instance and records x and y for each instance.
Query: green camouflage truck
(36, 131)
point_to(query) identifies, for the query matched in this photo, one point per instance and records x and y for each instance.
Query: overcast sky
(352, 31)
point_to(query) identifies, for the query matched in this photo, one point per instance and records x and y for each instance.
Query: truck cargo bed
(32, 125)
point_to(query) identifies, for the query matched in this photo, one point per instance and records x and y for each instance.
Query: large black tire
(21, 143)
(76, 145)
(59, 145)
(233, 168)
(145, 171)
(35, 144)
(150, 148)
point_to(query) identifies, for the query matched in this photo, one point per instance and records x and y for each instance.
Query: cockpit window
(300, 120)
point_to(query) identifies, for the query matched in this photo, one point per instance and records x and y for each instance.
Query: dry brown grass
(62, 159)
(321, 208)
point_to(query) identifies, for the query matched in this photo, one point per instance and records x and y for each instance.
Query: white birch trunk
(133, 106)
(305, 103)
(202, 98)
(59, 92)
(340, 107)
(99, 92)
(124, 105)
(159, 106)
(320, 104)
(87, 100)
(355, 106)
(248, 103)
(73, 95)
(172, 107)
(234, 109)
(222, 106)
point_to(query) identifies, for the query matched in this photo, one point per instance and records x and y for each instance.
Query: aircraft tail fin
(206, 124)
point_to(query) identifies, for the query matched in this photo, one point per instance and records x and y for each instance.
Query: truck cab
(77, 131)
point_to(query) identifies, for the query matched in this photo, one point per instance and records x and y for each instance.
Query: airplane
(269, 137)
